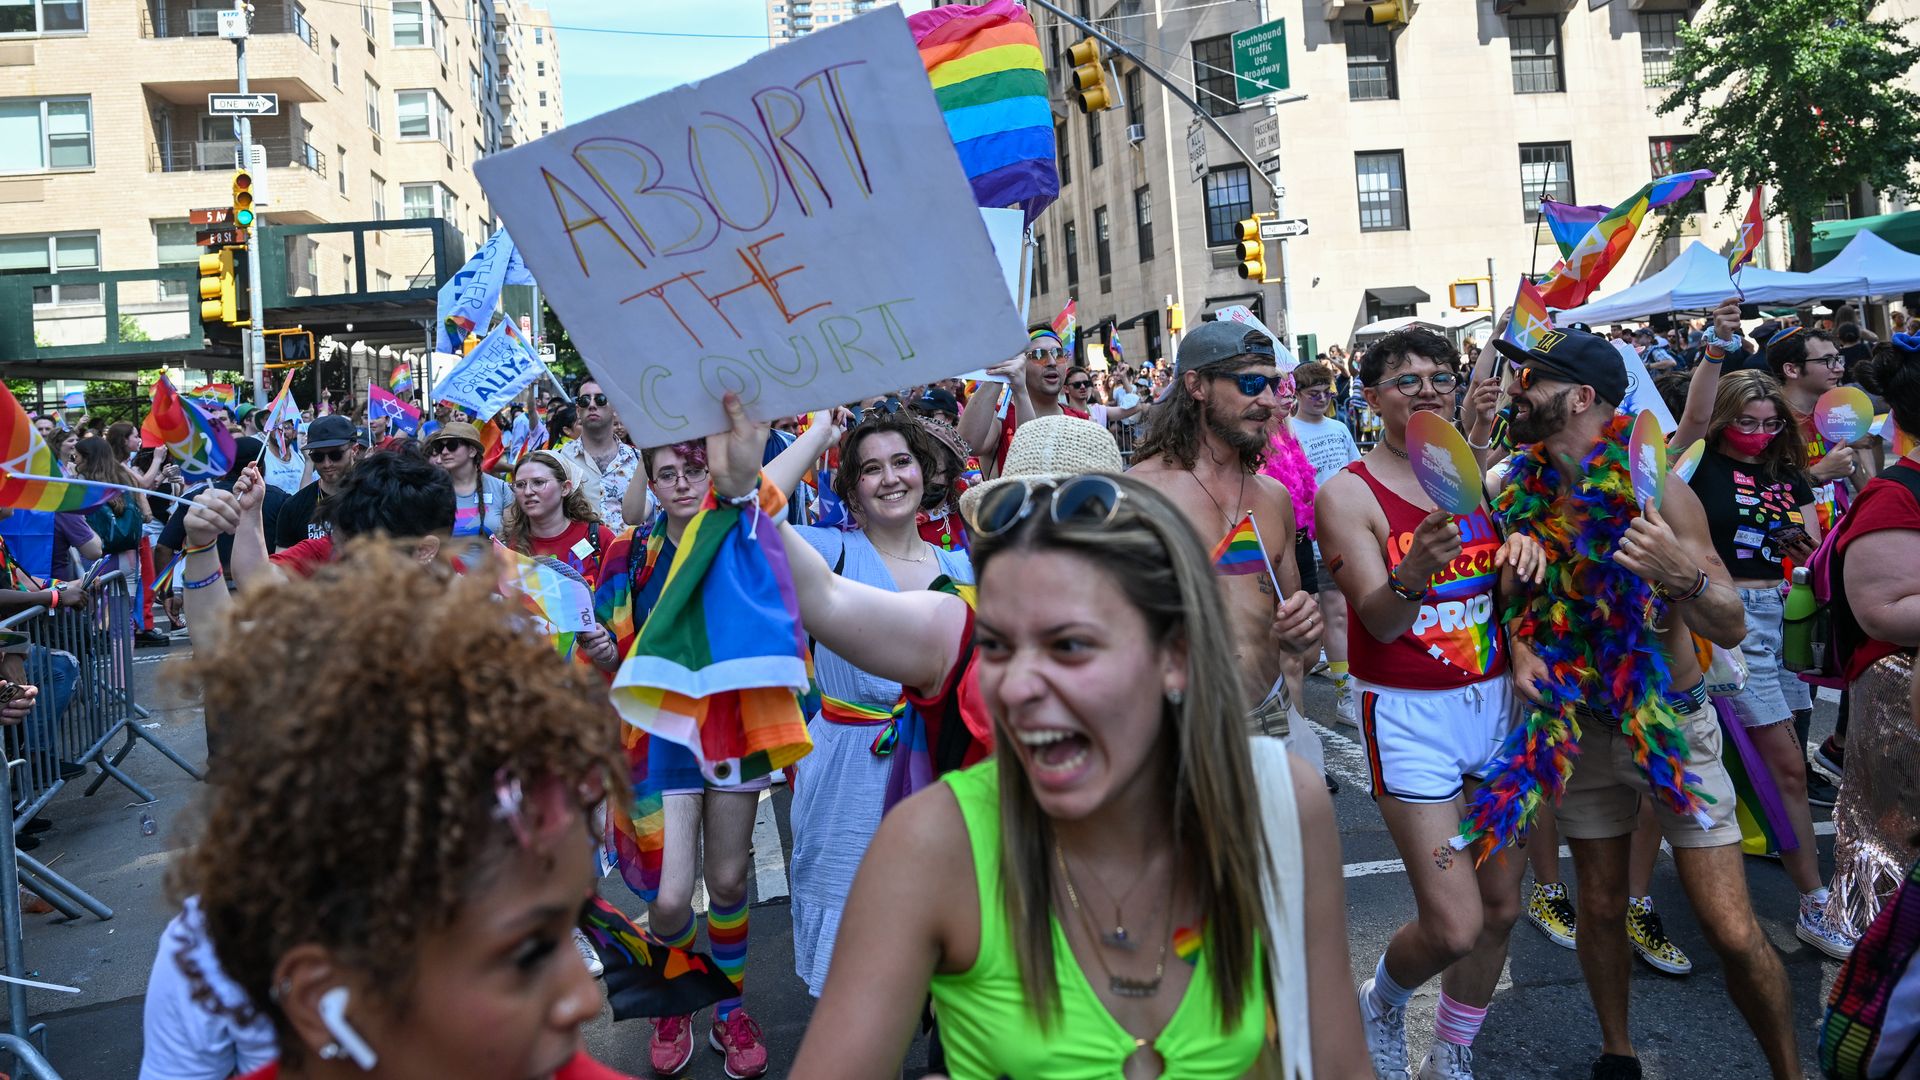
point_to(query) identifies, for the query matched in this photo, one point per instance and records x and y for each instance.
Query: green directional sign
(1260, 60)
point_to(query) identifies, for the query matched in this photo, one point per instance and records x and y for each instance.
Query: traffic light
(243, 200)
(295, 346)
(1087, 84)
(1386, 13)
(1252, 253)
(217, 286)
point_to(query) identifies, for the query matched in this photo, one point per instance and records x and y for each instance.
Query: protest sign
(487, 379)
(797, 230)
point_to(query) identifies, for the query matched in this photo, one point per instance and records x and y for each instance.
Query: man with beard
(332, 450)
(1605, 649)
(1033, 380)
(1429, 669)
(1204, 446)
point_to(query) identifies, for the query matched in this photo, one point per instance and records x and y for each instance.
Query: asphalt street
(1540, 1024)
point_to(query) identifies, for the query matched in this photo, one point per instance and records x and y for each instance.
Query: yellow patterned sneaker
(1551, 911)
(1650, 938)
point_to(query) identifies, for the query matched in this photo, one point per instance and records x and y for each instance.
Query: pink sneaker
(672, 1044)
(738, 1037)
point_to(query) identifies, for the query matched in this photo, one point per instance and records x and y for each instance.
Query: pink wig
(1287, 463)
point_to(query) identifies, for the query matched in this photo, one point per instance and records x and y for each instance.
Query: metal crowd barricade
(84, 659)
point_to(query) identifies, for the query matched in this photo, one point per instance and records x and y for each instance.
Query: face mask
(1751, 444)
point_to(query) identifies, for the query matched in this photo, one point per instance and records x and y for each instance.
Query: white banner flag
(487, 379)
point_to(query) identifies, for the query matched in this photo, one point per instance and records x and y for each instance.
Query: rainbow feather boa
(1592, 624)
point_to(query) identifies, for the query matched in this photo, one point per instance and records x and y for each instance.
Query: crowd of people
(1022, 576)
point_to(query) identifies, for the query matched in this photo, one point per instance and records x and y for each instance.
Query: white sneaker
(587, 954)
(1386, 1036)
(1818, 929)
(1344, 708)
(1447, 1061)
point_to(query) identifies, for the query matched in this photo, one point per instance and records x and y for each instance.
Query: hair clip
(1907, 343)
(510, 805)
(539, 814)
(1782, 336)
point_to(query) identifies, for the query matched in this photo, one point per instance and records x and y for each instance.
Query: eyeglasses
(1081, 385)
(1747, 425)
(528, 483)
(1092, 499)
(1317, 395)
(1836, 362)
(1251, 385)
(587, 401)
(671, 478)
(1442, 382)
(1045, 355)
(323, 457)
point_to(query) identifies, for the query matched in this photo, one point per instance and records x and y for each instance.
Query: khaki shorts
(1602, 799)
(1270, 716)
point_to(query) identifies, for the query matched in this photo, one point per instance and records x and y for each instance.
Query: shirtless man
(1565, 396)
(1204, 445)
(1033, 381)
(1429, 667)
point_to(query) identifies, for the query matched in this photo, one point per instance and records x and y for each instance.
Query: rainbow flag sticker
(1443, 463)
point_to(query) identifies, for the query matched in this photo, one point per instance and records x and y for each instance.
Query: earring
(332, 1052)
(1176, 697)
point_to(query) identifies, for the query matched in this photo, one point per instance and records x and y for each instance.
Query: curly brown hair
(920, 443)
(358, 814)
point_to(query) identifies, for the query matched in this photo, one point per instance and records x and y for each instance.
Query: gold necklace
(900, 558)
(1121, 985)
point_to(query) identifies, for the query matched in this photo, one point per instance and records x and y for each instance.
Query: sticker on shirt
(1746, 500)
(1749, 537)
(582, 549)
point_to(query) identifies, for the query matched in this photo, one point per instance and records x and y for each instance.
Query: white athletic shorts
(1422, 743)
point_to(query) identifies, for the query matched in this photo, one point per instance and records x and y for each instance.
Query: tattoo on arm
(1334, 564)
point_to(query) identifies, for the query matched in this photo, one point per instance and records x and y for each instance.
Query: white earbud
(333, 1013)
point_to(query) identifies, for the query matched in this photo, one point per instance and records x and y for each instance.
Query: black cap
(937, 400)
(329, 431)
(1574, 356)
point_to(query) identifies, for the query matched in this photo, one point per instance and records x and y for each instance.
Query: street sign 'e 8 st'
(243, 104)
(1260, 61)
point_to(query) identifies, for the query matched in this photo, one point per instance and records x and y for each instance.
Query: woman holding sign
(1752, 481)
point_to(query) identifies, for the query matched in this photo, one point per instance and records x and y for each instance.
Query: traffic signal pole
(253, 343)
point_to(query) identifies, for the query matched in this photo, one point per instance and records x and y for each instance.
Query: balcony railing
(175, 19)
(223, 155)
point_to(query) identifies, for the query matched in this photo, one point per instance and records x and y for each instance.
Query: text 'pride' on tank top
(1456, 640)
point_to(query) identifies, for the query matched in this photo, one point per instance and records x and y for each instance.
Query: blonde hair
(1157, 563)
(516, 530)
(1787, 453)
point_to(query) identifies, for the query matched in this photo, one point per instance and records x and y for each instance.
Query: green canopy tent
(1900, 230)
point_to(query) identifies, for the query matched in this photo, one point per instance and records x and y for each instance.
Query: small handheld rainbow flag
(1065, 326)
(1568, 223)
(1240, 551)
(202, 448)
(218, 393)
(400, 415)
(492, 445)
(646, 978)
(1753, 229)
(401, 381)
(283, 408)
(24, 454)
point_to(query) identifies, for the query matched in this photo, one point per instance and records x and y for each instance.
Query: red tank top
(1456, 640)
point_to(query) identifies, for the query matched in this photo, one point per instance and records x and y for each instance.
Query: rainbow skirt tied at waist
(854, 715)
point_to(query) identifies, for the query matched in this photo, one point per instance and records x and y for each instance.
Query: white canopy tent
(1698, 281)
(1889, 271)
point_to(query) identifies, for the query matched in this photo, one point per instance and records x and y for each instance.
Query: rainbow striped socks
(727, 934)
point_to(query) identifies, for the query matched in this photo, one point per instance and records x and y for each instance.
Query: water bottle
(1798, 649)
(147, 827)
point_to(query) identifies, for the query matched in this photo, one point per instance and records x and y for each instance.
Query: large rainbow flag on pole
(1753, 229)
(1575, 277)
(1066, 327)
(202, 448)
(24, 452)
(1568, 223)
(990, 79)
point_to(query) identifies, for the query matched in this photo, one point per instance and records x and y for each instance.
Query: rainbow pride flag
(283, 408)
(217, 393)
(1066, 326)
(400, 415)
(1753, 229)
(1530, 318)
(401, 381)
(1575, 277)
(645, 977)
(990, 79)
(1568, 223)
(23, 451)
(203, 448)
(492, 445)
(1240, 551)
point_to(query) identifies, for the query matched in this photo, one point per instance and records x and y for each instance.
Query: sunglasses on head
(1091, 499)
(1251, 384)
(587, 401)
(332, 455)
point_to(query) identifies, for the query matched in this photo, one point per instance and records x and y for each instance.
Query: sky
(602, 71)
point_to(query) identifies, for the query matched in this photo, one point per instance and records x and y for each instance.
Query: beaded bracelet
(205, 581)
(1404, 592)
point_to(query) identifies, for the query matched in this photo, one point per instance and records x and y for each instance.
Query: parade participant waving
(419, 926)
(480, 500)
(1104, 663)
(1429, 663)
(1752, 484)
(1206, 441)
(551, 515)
(840, 787)
(1605, 645)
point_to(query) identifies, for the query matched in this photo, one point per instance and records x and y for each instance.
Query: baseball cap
(937, 400)
(330, 431)
(1221, 339)
(1574, 356)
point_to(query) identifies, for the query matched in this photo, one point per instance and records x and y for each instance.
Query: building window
(1535, 44)
(373, 105)
(1096, 153)
(42, 17)
(1143, 220)
(382, 281)
(540, 68)
(1546, 172)
(1040, 265)
(340, 167)
(377, 187)
(1666, 156)
(334, 50)
(1381, 179)
(409, 24)
(1837, 208)
(417, 201)
(366, 17)
(1102, 242)
(1213, 75)
(42, 134)
(539, 35)
(53, 254)
(424, 114)
(1659, 40)
(543, 99)
(545, 127)
(1065, 153)
(1136, 99)
(174, 245)
(1070, 240)
(1370, 73)
(1228, 193)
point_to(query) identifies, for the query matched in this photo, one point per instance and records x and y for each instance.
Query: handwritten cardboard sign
(797, 230)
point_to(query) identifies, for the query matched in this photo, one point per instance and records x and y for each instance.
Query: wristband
(1404, 592)
(208, 546)
(53, 598)
(205, 581)
(1713, 354)
(1488, 445)
(1699, 586)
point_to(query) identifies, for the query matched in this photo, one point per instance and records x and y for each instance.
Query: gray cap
(1221, 339)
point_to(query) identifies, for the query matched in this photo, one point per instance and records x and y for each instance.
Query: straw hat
(1050, 448)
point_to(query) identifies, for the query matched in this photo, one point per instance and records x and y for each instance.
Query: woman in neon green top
(1122, 808)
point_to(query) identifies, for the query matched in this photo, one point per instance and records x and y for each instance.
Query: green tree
(567, 362)
(1803, 96)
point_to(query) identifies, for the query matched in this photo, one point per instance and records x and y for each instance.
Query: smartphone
(1789, 536)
